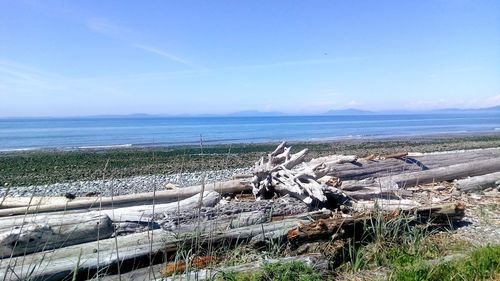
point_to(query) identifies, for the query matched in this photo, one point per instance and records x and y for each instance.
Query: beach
(90, 172)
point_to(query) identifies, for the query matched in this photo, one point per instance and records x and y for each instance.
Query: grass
(396, 244)
(274, 272)
(417, 253)
(482, 264)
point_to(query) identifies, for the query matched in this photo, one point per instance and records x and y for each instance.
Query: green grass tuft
(275, 272)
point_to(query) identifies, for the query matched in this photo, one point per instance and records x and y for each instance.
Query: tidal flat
(25, 168)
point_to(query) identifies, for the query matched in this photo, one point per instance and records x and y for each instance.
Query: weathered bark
(397, 155)
(478, 183)
(233, 215)
(164, 196)
(444, 213)
(25, 235)
(385, 205)
(346, 227)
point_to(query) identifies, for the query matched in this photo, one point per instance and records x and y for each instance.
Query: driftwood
(39, 232)
(478, 183)
(448, 173)
(234, 215)
(103, 256)
(385, 205)
(164, 196)
(188, 218)
(145, 212)
(281, 174)
(341, 227)
(397, 155)
(24, 235)
(363, 169)
(14, 202)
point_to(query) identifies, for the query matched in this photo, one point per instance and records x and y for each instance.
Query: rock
(169, 186)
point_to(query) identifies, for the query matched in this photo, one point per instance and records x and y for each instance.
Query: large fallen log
(387, 205)
(235, 214)
(25, 235)
(457, 171)
(79, 227)
(341, 227)
(477, 183)
(164, 196)
(145, 212)
(14, 202)
(363, 169)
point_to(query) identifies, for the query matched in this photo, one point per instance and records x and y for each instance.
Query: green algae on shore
(45, 167)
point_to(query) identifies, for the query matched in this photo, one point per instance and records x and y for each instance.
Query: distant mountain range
(256, 113)
(354, 111)
(486, 109)
(349, 111)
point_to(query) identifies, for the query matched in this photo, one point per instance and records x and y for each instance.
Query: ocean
(94, 132)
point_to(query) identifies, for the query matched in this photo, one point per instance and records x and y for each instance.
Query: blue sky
(60, 58)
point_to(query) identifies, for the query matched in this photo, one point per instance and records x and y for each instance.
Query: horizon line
(257, 113)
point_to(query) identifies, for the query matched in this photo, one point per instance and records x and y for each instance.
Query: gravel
(122, 186)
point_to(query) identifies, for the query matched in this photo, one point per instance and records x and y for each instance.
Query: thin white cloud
(164, 54)
(14, 73)
(105, 26)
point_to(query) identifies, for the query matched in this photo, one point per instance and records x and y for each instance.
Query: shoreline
(216, 143)
(33, 168)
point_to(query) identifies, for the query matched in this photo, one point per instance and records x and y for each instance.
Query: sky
(75, 58)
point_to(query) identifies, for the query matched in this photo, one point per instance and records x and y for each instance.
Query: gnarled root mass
(285, 173)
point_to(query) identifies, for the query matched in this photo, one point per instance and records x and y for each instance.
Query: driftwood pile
(288, 200)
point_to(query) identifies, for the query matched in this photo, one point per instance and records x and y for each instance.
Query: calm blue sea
(29, 133)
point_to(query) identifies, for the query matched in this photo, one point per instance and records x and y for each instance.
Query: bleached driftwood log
(144, 212)
(385, 205)
(39, 232)
(281, 174)
(164, 196)
(478, 183)
(457, 171)
(362, 168)
(28, 234)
